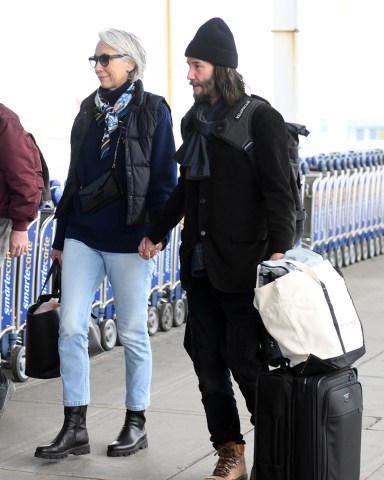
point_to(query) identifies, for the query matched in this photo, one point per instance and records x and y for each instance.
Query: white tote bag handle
(309, 311)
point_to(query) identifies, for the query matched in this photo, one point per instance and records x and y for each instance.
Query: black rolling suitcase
(308, 427)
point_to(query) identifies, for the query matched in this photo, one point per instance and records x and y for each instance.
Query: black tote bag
(42, 333)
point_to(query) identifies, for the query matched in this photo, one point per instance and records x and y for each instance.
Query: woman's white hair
(126, 44)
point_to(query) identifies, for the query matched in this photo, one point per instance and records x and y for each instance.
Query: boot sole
(73, 451)
(126, 453)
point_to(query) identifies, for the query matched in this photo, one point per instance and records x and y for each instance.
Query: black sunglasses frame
(103, 59)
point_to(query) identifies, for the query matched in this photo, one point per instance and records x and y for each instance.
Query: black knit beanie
(214, 43)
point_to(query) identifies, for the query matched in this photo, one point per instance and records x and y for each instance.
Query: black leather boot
(132, 437)
(72, 438)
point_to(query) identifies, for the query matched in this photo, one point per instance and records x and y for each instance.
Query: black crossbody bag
(102, 191)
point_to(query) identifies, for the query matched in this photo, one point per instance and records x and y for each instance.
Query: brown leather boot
(231, 463)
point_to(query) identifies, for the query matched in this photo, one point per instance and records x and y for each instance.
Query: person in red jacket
(21, 187)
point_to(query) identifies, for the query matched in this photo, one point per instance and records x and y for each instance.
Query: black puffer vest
(141, 126)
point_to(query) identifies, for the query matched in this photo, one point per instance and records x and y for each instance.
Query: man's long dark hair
(229, 84)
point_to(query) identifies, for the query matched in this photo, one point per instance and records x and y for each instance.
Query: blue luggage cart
(341, 220)
(164, 305)
(363, 213)
(107, 317)
(153, 314)
(380, 207)
(317, 202)
(25, 296)
(178, 294)
(311, 205)
(8, 333)
(18, 292)
(329, 214)
(46, 236)
(353, 217)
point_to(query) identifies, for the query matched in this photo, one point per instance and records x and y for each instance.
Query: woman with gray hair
(123, 129)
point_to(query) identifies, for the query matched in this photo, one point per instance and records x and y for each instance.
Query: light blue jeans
(83, 271)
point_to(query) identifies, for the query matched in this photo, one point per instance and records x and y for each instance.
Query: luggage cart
(371, 210)
(164, 305)
(311, 205)
(375, 209)
(178, 294)
(153, 314)
(363, 213)
(17, 292)
(341, 220)
(329, 214)
(353, 215)
(8, 333)
(323, 192)
(25, 296)
(46, 236)
(380, 207)
(376, 212)
(336, 232)
(107, 317)
(97, 310)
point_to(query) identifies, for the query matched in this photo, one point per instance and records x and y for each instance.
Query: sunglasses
(103, 59)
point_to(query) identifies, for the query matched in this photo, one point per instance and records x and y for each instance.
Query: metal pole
(285, 61)
(169, 52)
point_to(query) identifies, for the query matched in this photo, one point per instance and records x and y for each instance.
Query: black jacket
(242, 213)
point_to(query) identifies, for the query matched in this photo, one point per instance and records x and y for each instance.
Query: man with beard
(238, 210)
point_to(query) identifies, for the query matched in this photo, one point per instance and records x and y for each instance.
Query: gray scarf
(193, 152)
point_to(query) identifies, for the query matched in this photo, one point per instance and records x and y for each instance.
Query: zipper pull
(304, 386)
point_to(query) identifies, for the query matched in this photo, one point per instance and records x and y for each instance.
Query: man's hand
(18, 243)
(148, 249)
(277, 256)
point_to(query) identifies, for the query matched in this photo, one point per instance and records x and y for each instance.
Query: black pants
(223, 337)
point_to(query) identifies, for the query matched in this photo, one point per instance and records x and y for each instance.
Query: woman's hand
(57, 254)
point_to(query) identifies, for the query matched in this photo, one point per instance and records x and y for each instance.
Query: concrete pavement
(179, 446)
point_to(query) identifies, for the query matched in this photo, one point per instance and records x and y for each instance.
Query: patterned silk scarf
(110, 115)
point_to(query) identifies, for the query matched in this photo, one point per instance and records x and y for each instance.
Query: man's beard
(207, 93)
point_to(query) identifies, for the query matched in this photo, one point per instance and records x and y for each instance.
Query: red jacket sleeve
(20, 173)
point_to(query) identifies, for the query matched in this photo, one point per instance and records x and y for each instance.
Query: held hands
(148, 249)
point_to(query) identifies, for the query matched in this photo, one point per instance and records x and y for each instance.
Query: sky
(339, 72)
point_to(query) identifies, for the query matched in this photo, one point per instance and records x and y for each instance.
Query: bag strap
(115, 156)
(258, 276)
(55, 269)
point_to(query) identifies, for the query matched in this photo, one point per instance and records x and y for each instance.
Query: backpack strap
(234, 129)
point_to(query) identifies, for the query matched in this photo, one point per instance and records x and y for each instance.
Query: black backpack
(46, 199)
(235, 130)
